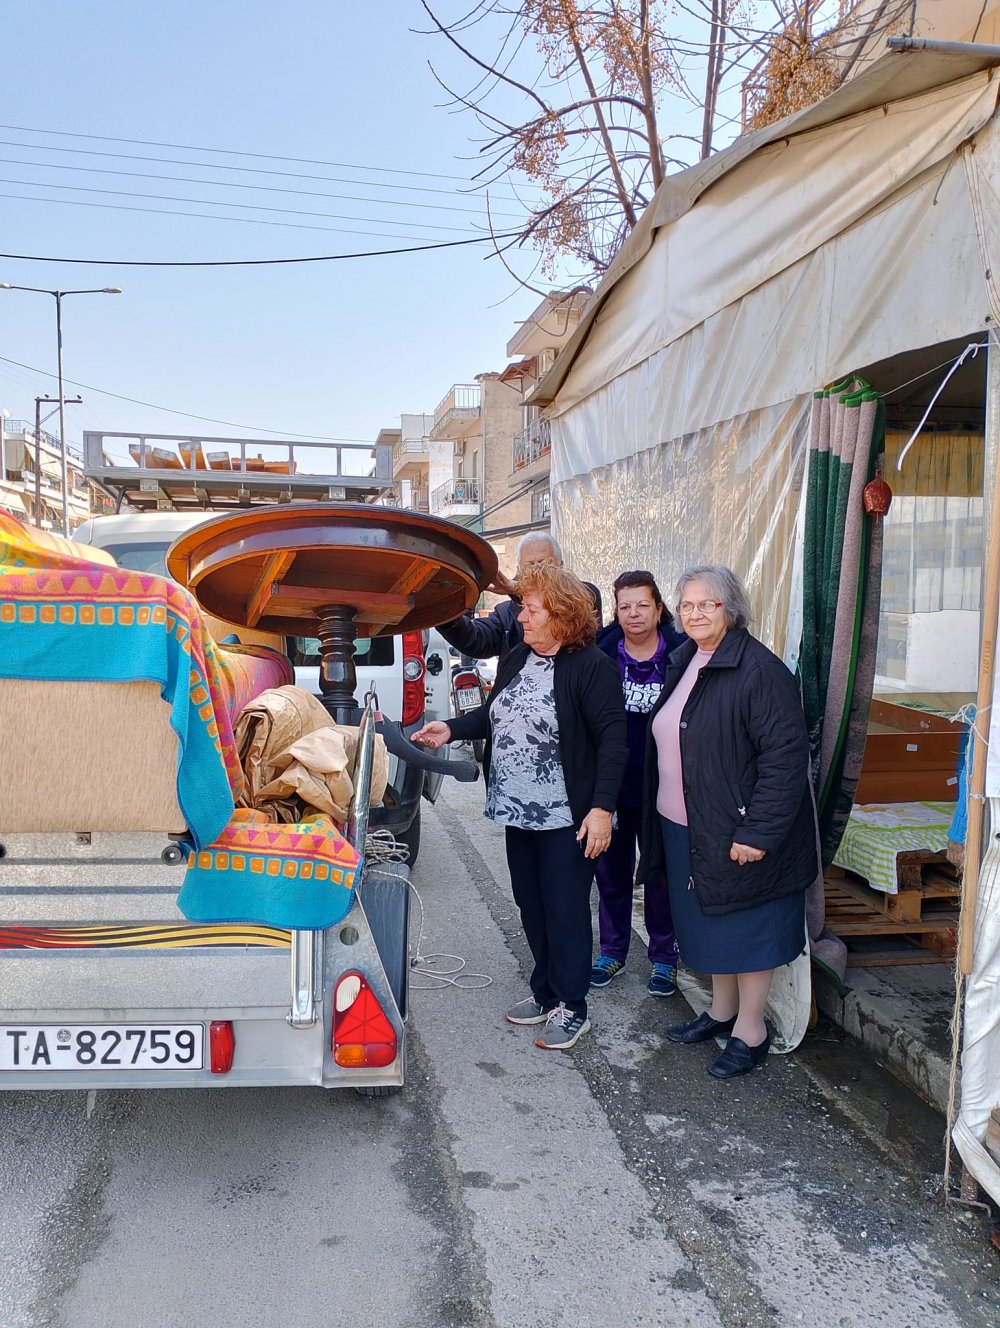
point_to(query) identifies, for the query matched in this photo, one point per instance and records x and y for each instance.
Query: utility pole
(73, 401)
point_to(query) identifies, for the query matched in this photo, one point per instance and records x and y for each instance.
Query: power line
(236, 184)
(212, 202)
(206, 419)
(257, 170)
(236, 262)
(240, 221)
(234, 152)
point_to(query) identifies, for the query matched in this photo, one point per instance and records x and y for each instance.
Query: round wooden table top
(275, 568)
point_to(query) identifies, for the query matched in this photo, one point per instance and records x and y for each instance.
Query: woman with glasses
(728, 813)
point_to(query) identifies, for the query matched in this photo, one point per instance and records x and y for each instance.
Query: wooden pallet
(924, 879)
(853, 911)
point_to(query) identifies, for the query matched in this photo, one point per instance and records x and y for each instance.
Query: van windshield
(374, 652)
(143, 557)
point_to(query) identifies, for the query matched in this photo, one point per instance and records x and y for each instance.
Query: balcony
(409, 458)
(531, 444)
(457, 411)
(419, 498)
(457, 498)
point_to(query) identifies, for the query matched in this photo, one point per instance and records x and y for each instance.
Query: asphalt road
(505, 1187)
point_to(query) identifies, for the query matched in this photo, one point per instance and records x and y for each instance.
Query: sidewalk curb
(888, 1025)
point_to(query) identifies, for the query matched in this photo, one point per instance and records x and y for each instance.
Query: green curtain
(841, 586)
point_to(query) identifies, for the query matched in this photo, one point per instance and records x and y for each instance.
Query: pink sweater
(666, 735)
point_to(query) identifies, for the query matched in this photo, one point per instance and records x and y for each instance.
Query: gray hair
(540, 537)
(727, 588)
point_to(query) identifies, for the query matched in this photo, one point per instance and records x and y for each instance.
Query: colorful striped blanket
(64, 618)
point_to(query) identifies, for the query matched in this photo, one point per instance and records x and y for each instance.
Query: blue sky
(332, 349)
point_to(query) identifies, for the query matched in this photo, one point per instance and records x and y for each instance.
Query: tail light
(362, 1033)
(413, 677)
(221, 1045)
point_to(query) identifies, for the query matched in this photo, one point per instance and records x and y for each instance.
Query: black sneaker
(663, 981)
(604, 970)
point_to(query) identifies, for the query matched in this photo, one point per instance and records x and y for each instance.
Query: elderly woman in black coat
(728, 813)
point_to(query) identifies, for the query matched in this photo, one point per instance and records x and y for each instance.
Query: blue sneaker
(663, 981)
(604, 970)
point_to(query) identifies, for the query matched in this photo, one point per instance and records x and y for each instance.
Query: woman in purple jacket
(639, 642)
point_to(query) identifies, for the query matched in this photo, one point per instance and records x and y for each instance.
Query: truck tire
(411, 838)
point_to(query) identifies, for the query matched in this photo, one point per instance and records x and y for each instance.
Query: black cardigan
(590, 712)
(745, 762)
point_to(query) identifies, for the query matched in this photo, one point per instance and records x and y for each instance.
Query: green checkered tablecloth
(878, 831)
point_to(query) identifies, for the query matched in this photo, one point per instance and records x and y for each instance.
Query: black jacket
(496, 634)
(590, 713)
(745, 762)
(610, 637)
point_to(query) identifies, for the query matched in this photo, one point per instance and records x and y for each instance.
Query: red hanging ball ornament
(877, 497)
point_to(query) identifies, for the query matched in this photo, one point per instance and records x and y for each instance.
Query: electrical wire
(205, 419)
(212, 216)
(239, 184)
(228, 152)
(245, 170)
(248, 207)
(239, 262)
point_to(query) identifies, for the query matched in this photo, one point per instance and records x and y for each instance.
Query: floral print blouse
(527, 788)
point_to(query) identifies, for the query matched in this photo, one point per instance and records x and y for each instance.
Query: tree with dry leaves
(572, 98)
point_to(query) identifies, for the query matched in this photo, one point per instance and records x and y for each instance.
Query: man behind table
(500, 631)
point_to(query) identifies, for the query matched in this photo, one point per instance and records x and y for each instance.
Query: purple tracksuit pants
(615, 879)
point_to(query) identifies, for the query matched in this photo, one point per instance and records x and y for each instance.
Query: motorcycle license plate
(469, 698)
(102, 1047)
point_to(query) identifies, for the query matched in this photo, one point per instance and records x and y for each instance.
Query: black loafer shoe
(701, 1029)
(738, 1058)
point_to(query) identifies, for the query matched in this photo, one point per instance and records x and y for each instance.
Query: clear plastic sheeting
(727, 494)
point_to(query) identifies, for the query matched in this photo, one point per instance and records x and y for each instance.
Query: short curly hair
(570, 604)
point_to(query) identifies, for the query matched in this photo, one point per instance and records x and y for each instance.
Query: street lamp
(58, 297)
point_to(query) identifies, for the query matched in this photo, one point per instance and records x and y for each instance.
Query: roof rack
(179, 472)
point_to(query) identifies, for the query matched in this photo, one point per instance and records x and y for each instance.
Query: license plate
(469, 698)
(102, 1047)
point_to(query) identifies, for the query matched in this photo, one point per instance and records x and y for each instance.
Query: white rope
(441, 970)
(973, 349)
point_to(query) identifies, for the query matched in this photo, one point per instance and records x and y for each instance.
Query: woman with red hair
(554, 728)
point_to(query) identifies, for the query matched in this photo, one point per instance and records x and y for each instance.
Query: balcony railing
(408, 449)
(456, 493)
(460, 396)
(459, 405)
(531, 443)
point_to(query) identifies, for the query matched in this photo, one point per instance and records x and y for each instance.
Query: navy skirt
(747, 941)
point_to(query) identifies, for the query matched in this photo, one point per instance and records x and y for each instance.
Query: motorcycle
(468, 693)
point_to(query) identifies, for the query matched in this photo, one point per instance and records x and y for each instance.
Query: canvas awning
(925, 79)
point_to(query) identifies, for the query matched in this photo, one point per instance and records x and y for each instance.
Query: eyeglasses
(703, 606)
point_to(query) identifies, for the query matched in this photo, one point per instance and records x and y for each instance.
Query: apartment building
(31, 479)
(482, 458)
(536, 343)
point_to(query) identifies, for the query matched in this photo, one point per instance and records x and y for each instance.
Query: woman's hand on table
(595, 832)
(432, 735)
(744, 853)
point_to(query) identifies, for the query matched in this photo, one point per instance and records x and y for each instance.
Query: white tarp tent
(862, 228)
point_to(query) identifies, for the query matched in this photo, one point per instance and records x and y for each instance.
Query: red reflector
(222, 1045)
(362, 1033)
